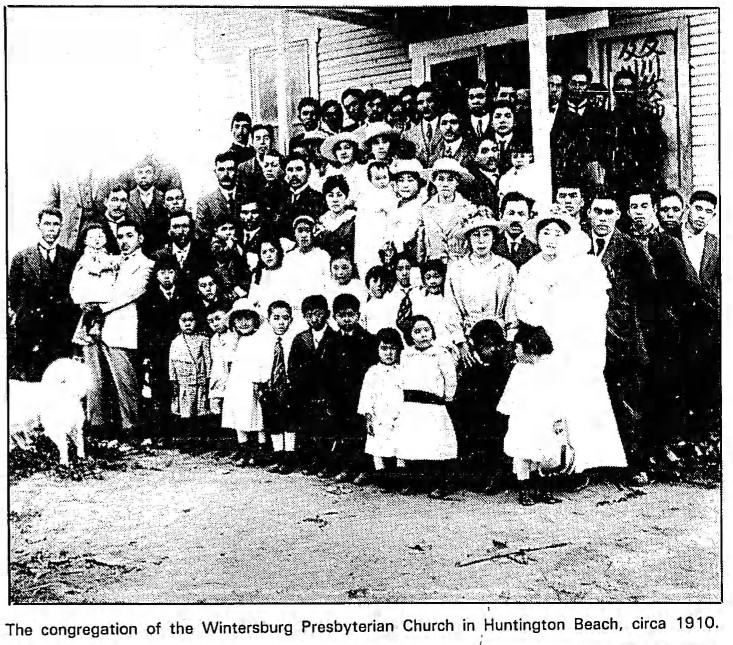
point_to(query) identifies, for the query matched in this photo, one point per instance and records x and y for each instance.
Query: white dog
(54, 404)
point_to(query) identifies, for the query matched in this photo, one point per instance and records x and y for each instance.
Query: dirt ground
(179, 528)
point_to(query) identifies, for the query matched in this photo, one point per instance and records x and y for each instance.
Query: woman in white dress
(424, 432)
(565, 291)
(341, 150)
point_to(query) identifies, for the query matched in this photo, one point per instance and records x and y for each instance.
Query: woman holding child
(563, 290)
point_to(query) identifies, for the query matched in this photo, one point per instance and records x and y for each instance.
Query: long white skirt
(424, 432)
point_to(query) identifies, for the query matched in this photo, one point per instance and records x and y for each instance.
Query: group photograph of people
(406, 293)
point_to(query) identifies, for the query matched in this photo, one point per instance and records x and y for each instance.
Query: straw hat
(446, 164)
(480, 221)
(314, 135)
(241, 305)
(331, 142)
(401, 166)
(376, 130)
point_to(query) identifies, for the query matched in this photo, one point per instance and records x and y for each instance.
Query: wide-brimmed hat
(242, 305)
(413, 166)
(563, 221)
(376, 130)
(314, 135)
(446, 164)
(331, 142)
(480, 221)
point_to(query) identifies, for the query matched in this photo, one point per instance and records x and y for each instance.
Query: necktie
(277, 378)
(479, 129)
(600, 243)
(404, 313)
(230, 203)
(429, 132)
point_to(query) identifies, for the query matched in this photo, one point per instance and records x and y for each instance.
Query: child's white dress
(241, 409)
(424, 431)
(223, 347)
(533, 403)
(382, 398)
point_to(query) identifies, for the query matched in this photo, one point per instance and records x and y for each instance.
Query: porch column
(537, 35)
(281, 79)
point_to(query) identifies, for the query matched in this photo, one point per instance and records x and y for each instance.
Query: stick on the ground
(505, 553)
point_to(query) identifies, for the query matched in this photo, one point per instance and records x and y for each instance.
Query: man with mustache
(512, 243)
(222, 203)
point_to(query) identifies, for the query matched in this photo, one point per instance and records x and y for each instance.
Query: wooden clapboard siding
(704, 98)
(354, 56)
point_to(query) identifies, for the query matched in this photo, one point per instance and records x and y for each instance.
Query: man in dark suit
(455, 141)
(145, 201)
(579, 134)
(156, 229)
(670, 210)
(191, 255)
(513, 244)
(116, 211)
(703, 368)
(478, 107)
(301, 198)
(42, 315)
(240, 149)
(485, 170)
(504, 133)
(630, 320)
(251, 173)
(425, 135)
(353, 101)
(309, 113)
(220, 203)
(679, 303)
(636, 143)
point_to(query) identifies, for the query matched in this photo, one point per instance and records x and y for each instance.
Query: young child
(424, 431)
(344, 279)
(275, 390)
(308, 395)
(371, 219)
(536, 426)
(346, 358)
(480, 428)
(94, 276)
(430, 301)
(189, 367)
(378, 312)
(523, 176)
(381, 400)
(241, 409)
(223, 345)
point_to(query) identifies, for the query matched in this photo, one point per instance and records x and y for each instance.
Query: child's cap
(242, 308)
(345, 301)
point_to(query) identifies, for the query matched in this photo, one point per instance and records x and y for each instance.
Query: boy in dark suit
(308, 386)
(42, 315)
(346, 358)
